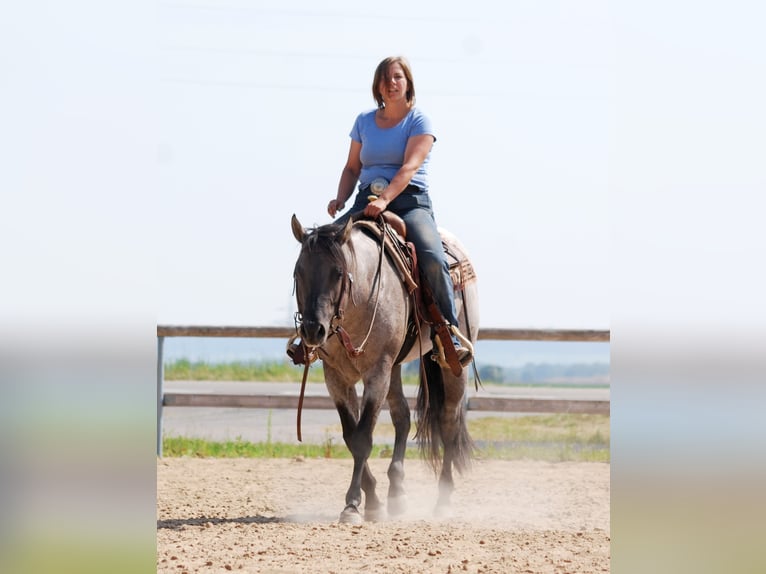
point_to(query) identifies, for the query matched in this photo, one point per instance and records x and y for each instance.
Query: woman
(389, 153)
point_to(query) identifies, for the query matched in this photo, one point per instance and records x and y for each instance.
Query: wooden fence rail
(522, 405)
(581, 335)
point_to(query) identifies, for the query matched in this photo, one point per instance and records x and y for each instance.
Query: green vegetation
(554, 437)
(275, 371)
(263, 371)
(595, 375)
(560, 437)
(179, 446)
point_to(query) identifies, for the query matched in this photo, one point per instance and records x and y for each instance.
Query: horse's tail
(431, 421)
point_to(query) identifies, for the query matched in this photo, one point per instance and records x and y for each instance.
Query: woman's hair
(381, 72)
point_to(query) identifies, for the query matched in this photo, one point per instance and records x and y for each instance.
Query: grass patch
(274, 371)
(238, 448)
(555, 438)
(569, 428)
(262, 371)
(284, 371)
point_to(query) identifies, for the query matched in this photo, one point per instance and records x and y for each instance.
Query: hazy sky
(155, 152)
(256, 101)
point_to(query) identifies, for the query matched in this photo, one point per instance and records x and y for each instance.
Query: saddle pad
(460, 268)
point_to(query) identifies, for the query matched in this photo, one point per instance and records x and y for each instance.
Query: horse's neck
(397, 250)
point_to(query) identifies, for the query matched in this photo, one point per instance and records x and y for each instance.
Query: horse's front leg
(358, 438)
(400, 416)
(357, 434)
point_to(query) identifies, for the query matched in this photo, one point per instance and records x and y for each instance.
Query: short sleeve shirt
(382, 153)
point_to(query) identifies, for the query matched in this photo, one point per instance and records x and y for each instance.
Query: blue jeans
(415, 209)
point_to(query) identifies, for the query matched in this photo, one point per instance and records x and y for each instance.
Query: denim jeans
(415, 209)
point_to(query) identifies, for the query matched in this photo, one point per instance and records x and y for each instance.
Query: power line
(314, 14)
(259, 85)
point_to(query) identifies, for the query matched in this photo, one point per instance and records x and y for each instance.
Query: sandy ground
(281, 516)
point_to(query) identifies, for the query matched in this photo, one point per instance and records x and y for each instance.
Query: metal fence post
(160, 392)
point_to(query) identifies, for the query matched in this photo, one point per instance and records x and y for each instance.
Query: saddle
(392, 231)
(460, 269)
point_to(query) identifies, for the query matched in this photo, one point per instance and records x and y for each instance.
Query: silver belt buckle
(378, 185)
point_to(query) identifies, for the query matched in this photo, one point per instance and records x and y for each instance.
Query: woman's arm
(417, 150)
(348, 178)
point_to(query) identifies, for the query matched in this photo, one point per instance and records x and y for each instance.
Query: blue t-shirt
(382, 153)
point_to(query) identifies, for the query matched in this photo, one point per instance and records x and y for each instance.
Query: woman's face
(393, 86)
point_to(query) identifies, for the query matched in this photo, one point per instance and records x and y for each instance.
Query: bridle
(336, 323)
(311, 353)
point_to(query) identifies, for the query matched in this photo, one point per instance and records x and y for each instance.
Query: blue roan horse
(344, 286)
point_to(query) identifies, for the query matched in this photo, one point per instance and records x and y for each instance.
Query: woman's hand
(334, 207)
(376, 207)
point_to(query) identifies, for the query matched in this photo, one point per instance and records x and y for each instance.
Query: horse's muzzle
(313, 333)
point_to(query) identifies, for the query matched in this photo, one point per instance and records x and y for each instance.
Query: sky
(256, 102)
(163, 148)
(602, 164)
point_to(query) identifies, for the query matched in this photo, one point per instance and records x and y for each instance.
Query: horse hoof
(350, 515)
(374, 514)
(397, 505)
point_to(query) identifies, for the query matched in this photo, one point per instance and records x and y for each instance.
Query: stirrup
(464, 357)
(467, 356)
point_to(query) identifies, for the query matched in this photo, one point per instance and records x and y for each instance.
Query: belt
(409, 189)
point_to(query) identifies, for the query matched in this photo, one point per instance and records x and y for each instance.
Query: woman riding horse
(389, 155)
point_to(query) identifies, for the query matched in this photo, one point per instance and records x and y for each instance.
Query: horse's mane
(326, 238)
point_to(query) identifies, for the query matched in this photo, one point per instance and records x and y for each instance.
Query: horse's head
(321, 275)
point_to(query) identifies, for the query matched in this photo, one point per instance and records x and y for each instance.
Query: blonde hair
(381, 72)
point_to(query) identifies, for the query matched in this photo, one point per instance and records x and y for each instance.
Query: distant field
(284, 371)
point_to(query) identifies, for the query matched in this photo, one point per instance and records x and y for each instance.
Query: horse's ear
(298, 230)
(346, 230)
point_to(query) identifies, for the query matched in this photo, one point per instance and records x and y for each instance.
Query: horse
(347, 290)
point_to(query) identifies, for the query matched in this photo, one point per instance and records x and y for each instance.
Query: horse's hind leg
(400, 416)
(446, 483)
(457, 443)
